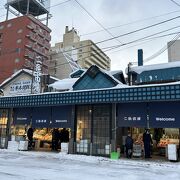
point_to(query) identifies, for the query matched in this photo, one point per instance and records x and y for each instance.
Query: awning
(22, 116)
(41, 117)
(132, 115)
(61, 117)
(164, 114)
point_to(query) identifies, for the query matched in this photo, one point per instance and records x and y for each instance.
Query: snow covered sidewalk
(20, 165)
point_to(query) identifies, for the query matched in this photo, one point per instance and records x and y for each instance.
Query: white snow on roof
(140, 69)
(115, 72)
(64, 84)
(109, 73)
(77, 71)
(54, 78)
(16, 73)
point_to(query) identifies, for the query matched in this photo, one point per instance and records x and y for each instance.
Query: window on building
(17, 60)
(15, 70)
(20, 31)
(1, 27)
(9, 25)
(19, 41)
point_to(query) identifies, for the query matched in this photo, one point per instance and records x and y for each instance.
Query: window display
(43, 134)
(170, 136)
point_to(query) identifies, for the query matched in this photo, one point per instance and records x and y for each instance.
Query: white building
(173, 51)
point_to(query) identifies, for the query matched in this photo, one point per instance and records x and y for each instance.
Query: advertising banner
(62, 117)
(22, 116)
(41, 117)
(164, 114)
(20, 87)
(132, 115)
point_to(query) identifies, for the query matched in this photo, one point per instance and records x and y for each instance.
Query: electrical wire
(128, 33)
(130, 23)
(175, 2)
(163, 49)
(97, 21)
(113, 47)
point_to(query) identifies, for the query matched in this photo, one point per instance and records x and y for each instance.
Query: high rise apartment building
(173, 51)
(22, 41)
(85, 53)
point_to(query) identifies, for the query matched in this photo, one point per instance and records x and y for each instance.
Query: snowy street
(54, 166)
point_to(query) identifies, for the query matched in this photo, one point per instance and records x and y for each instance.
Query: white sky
(115, 13)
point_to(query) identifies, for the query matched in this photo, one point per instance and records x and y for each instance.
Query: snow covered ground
(59, 166)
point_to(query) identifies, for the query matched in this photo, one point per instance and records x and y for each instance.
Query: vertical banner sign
(132, 115)
(37, 78)
(164, 114)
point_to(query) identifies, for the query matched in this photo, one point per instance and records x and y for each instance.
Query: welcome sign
(164, 114)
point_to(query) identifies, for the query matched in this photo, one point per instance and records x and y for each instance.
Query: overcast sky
(129, 15)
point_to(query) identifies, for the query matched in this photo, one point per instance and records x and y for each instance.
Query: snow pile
(140, 69)
(25, 165)
(64, 84)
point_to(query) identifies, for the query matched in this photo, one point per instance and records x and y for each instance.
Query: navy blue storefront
(42, 120)
(162, 118)
(141, 107)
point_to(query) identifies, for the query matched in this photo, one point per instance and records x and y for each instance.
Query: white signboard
(172, 152)
(21, 87)
(43, 3)
(37, 78)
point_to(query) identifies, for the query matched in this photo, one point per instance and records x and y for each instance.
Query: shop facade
(99, 111)
(161, 118)
(43, 120)
(99, 119)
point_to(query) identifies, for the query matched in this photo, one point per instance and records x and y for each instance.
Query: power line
(141, 29)
(125, 34)
(133, 22)
(97, 21)
(113, 47)
(118, 46)
(175, 2)
(147, 41)
(163, 49)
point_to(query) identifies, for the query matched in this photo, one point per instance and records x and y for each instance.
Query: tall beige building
(173, 51)
(71, 54)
